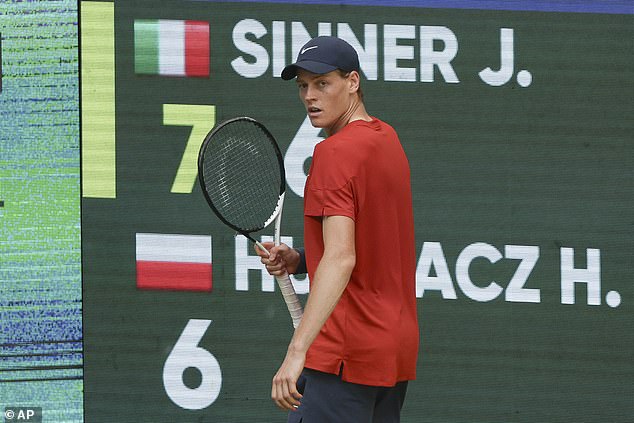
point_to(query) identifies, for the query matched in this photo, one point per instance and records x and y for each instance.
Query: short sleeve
(330, 202)
(329, 190)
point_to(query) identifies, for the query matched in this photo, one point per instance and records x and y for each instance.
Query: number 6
(186, 353)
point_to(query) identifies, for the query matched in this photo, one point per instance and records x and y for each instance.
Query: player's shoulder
(356, 141)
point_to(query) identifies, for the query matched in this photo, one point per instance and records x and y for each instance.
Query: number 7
(201, 118)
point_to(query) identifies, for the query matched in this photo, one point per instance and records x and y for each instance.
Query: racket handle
(290, 298)
(288, 292)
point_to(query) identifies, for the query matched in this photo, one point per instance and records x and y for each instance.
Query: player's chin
(316, 120)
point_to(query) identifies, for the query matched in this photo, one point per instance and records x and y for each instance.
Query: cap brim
(290, 71)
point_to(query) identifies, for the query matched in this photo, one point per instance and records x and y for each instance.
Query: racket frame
(286, 287)
(280, 160)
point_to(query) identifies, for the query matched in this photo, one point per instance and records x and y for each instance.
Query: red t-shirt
(362, 172)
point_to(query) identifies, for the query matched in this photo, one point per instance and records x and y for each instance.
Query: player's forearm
(330, 280)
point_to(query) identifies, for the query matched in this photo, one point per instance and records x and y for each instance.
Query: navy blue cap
(322, 55)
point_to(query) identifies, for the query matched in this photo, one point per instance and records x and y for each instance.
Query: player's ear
(354, 80)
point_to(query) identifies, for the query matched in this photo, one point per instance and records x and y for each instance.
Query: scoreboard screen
(124, 298)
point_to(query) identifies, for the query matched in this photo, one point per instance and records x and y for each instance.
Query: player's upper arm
(339, 236)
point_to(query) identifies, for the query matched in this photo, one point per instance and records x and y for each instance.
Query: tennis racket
(241, 172)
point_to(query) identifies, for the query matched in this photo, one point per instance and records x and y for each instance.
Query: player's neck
(355, 112)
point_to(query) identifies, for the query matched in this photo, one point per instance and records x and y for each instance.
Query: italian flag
(171, 47)
(173, 262)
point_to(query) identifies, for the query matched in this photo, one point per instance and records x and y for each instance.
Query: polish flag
(173, 262)
(171, 47)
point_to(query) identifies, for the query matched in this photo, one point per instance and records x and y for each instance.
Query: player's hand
(282, 258)
(284, 388)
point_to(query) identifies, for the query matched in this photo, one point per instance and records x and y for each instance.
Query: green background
(548, 165)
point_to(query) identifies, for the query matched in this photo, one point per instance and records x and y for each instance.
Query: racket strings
(242, 175)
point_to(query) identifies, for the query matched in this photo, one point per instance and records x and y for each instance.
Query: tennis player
(355, 350)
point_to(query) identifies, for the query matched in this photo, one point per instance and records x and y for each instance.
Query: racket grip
(290, 298)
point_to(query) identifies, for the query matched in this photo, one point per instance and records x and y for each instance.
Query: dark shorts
(328, 399)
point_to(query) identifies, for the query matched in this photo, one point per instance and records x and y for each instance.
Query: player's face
(329, 99)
